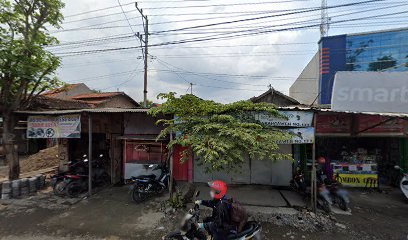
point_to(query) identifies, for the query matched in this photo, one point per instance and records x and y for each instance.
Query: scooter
(189, 230)
(75, 184)
(145, 186)
(298, 183)
(404, 181)
(57, 180)
(330, 194)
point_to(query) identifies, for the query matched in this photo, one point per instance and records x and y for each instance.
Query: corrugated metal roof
(93, 110)
(325, 108)
(145, 110)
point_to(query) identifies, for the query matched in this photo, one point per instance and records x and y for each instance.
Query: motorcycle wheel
(343, 204)
(326, 206)
(59, 188)
(138, 194)
(73, 189)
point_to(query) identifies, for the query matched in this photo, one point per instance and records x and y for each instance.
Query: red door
(181, 171)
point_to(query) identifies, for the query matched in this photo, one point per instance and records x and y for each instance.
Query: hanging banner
(67, 126)
(293, 119)
(333, 123)
(300, 136)
(358, 180)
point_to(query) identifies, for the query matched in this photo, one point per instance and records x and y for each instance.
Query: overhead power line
(265, 17)
(226, 4)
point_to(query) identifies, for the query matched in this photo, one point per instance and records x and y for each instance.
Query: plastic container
(15, 188)
(32, 183)
(24, 187)
(5, 190)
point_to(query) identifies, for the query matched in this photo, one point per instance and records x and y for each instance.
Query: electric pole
(191, 86)
(146, 50)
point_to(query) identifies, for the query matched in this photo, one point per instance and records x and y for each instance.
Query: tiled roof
(97, 95)
(55, 92)
(45, 102)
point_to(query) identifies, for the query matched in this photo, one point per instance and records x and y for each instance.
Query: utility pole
(146, 50)
(191, 87)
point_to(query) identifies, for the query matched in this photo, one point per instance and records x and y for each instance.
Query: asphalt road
(111, 215)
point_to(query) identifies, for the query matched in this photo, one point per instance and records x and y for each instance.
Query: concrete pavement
(256, 195)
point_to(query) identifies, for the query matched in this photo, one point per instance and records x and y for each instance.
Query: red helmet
(219, 187)
(321, 160)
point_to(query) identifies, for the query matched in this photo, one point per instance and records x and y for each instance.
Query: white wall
(306, 87)
(264, 172)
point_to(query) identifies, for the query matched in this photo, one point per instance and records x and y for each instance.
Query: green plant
(220, 135)
(26, 68)
(177, 200)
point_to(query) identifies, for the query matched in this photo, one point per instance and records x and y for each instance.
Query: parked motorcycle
(145, 186)
(57, 180)
(75, 184)
(189, 230)
(404, 181)
(298, 183)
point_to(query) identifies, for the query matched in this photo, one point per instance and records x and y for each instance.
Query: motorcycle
(57, 180)
(75, 184)
(329, 194)
(145, 186)
(298, 183)
(404, 181)
(190, 231)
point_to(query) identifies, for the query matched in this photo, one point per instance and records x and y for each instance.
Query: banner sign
(300, 136)
(384, 124)
(358, 180)
(293, 119)
(333, 123)
(68, 126)
(381, 92)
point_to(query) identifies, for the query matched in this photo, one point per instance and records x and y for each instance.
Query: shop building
(371, 51)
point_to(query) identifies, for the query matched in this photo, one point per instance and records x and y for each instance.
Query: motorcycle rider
(219, 225)
(323, 180)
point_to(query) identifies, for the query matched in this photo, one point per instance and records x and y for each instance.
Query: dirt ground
(45, 158)
(111, 215)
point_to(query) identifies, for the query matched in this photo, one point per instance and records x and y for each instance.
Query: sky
(249, 44)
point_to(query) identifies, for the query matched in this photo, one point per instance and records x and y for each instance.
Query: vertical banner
(67, 126)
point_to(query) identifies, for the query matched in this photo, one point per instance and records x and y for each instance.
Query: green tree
(150, 104)
(221, 135)
(26, 68)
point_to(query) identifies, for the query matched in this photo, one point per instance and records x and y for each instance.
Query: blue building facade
(378, 51)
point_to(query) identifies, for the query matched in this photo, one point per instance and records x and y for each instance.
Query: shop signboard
(300, 136)
(381, 92)
(67, 126)
(358, 180)
(333, 123)
(385, 124)
(293, 119)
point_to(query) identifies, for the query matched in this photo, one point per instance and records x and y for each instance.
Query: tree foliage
(26, 68)
(222, 136)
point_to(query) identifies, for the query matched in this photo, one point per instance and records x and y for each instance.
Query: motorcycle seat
(151, 176)
(249, 228)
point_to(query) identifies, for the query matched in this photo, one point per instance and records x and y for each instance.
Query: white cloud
(271, 60)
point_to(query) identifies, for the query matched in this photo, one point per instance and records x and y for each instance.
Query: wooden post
(89, 155)
(313, 173)
(171, 168)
